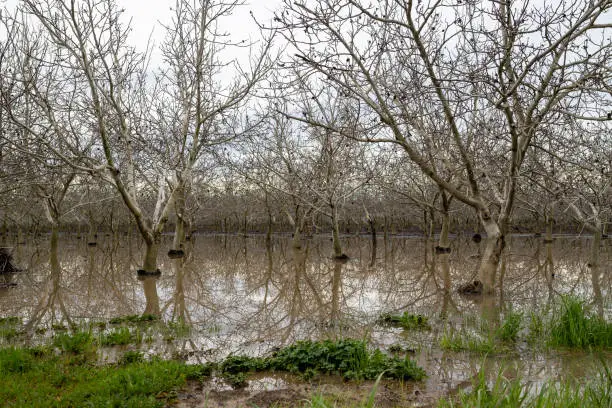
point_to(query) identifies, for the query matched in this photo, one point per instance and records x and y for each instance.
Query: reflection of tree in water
(179, 311)
(51, 300)
(283, 293)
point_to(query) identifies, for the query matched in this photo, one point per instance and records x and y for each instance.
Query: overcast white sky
(146, 14)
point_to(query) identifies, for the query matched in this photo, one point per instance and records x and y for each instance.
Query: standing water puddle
(234, 295)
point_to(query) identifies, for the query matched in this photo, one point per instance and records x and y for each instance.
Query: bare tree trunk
(595, 244)
(335, 300)
(372, 225)
(245, 223)
(494, 245)
(53, 246)
(386, 232)
(20, 239)
(443, 240)
(149, 262)
(149, 285)
(269, 226)
(597, 293)
(336, 233)
(179, 229)
(4, 232)
(444, 265)
(180, 311)
(92, 237)
(297, 236)
(549, 228)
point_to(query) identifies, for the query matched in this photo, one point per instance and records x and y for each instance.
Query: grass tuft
(406, 321)
(76, 343)
(575, 326)
(120, 336)
(506, 393)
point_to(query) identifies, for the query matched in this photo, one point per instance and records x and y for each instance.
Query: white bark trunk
(494, 245)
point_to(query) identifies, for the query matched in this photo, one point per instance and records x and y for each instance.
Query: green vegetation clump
(32, 378)
(9, 321)
(509, 329)
(76, 343)
(406, 321)
(482, 339)
(576, 327)
(463, 340)
(573, 325)
(15, 360)
(349, 358)
(9, 327)
(512, 394)
(131, 357)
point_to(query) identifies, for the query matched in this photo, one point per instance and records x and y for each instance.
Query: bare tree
(102, 116)
(198, 109)
(498, 72)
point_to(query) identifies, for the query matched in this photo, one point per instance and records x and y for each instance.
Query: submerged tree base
(142, 272)
(341, 258)
(176, 253)
(471, 288)
(6, 261)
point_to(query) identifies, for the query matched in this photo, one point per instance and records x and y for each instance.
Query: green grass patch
(577, 327)
(405, 320)
(10, 321)
(15, 360)
(31, 379)
(10, 327)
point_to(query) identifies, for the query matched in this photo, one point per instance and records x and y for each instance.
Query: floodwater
(243, 295)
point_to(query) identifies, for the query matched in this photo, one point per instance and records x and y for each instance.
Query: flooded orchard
(234, 295)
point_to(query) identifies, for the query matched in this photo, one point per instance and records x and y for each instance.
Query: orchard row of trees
(342, 112)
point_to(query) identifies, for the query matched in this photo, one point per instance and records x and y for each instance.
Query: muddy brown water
(240, 295)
